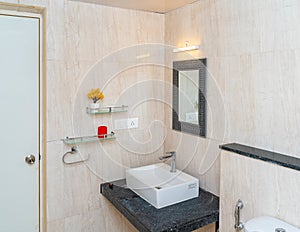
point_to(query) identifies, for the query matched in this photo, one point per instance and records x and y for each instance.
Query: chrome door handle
(30, 159)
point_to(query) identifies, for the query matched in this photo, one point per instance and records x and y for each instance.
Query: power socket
(129, 123)
(132, 123)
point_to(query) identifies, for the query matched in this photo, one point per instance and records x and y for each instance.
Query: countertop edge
(263, 155)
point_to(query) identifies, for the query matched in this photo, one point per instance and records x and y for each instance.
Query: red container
(102, 131)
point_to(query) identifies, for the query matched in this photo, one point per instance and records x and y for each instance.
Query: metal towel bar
(74, 150)
(238, 224)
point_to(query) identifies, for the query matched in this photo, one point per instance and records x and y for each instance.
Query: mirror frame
(185, 65)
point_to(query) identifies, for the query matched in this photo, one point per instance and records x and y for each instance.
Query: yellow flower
(101, 96)
(95, 95)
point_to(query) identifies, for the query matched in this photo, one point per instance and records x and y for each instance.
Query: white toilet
(268, 224)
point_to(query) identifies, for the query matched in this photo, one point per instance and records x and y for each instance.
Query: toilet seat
(268, 224)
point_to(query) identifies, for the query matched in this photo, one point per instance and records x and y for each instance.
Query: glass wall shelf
(88, 139)
(107, 110)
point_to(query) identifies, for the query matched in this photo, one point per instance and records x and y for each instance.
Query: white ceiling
(160, 6)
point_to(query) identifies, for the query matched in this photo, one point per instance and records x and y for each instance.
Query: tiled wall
(252, 50)
(264, 188)
(80, 36)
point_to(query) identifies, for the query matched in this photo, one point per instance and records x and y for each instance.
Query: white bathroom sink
(160, 187)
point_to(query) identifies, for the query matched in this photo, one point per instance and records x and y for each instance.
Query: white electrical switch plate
(129, 123)
(120, 124)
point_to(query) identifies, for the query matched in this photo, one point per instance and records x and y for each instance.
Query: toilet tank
(268, 224)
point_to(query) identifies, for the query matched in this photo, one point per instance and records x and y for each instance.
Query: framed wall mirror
(189, 91)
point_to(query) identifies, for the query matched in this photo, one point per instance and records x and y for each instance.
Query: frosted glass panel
(19, 102)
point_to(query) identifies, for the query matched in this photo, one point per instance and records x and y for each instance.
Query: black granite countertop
(268, 156)
(185, 216)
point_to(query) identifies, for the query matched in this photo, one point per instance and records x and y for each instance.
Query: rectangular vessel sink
(160, 187)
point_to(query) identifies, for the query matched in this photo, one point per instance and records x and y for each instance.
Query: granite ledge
(185, 216)
(264, 155)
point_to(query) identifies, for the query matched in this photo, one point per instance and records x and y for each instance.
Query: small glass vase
(94, 107)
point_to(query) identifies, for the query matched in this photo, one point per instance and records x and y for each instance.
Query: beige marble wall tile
(92, 221)
(71, 189)
(279, 18)
(59, 110)
(40, 3)
(114, 220)
(10, 1)
(240, 105)
(55, 34)
(208, 228)
(265, 189)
